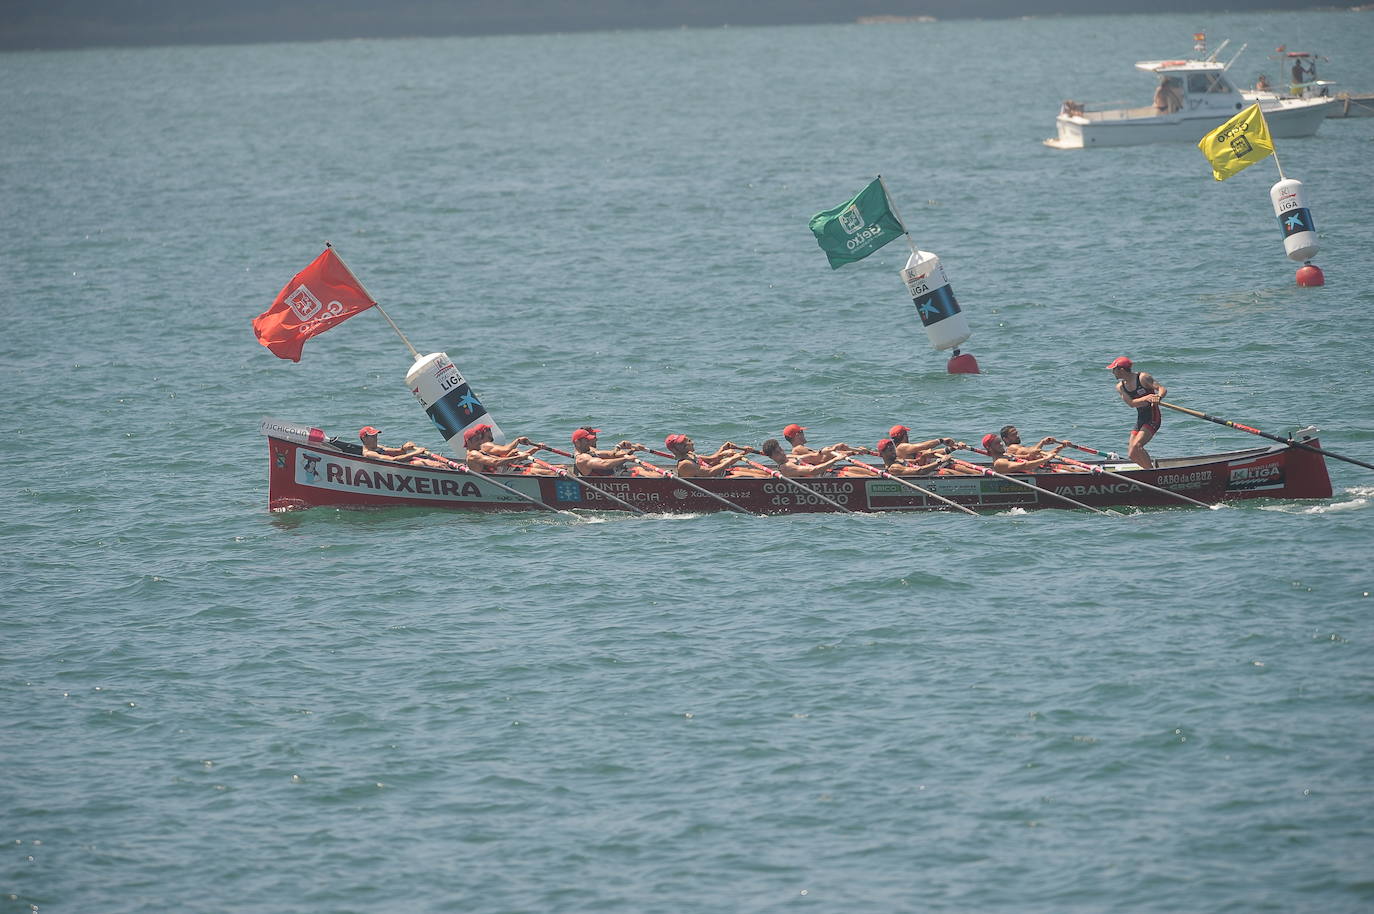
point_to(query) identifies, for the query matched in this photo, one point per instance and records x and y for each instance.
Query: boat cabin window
(1200, 83)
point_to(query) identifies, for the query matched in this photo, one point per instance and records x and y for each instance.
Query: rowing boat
(311, 469)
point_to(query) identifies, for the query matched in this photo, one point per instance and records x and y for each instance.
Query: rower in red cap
(908, 450)
(796, 436)
(1142, 392)
(593, 461)
(410, 452)
(690, 463)
(501, 458)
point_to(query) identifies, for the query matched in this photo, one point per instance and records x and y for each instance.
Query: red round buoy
(963, 363)
(1310, 275)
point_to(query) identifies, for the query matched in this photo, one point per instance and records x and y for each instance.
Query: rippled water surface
(207, 707)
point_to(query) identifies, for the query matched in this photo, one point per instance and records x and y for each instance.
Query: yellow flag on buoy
(1237, 144)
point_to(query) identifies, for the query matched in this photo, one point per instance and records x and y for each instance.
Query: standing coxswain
(1141, 392)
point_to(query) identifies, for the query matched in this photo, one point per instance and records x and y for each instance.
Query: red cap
(885, 444)
(1119, 362)
(792, 430)
(472, 433)
(585, 433)
(897, 431)
(674, 440)
(990, 439)
(368, 431)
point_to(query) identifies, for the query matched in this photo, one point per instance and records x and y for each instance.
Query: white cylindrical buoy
(444, 393)
(925, 279)
(1299, 232)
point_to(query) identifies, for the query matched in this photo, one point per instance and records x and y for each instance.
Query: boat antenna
(1213, 56)
(413, 351)
(1237, 57)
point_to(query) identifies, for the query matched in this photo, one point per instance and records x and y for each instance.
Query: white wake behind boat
(1204, 98)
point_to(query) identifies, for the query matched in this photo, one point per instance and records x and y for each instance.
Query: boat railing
(1096, 113)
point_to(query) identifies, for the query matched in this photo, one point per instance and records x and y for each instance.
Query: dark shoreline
(30, 25)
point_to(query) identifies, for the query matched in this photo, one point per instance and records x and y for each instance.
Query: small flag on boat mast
(858, 227)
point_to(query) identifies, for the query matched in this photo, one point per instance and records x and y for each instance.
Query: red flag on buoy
(317, 298)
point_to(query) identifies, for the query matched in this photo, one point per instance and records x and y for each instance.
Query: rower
(909, 450)
(690, 463)
(1004, 463)
(592, 461)
(410, 452)
(801, 452)
(476, 439)
(887, 450)
(1011, 442)
(791, 466)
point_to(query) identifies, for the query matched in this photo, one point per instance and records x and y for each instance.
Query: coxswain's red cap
(884, 445)
(674, 440)
(990, 439)
(1119, 362)
(792, 430)
(368, 431)
(585, 433)
(472, 433)
(897, 430)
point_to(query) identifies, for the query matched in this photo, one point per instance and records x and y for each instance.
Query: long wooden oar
(464, 468)
(1144, 485)
(1254, 431)
(911, 485)
(1110, 455)
(988, 471)
(562, 471)
(691, 485)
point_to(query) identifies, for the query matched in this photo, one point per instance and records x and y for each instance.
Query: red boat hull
(318, 472)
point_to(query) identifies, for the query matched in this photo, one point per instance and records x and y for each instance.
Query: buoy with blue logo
(1299, 231)
(937, 308)
(448, 399)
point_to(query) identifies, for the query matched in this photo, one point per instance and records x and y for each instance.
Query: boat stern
(1070, 135)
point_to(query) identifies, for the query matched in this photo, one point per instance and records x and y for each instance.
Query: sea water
(208, 707)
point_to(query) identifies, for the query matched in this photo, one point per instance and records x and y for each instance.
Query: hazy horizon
(35, 25)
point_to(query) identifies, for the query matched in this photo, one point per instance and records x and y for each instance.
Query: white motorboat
(1305, 84)
(1194, 96)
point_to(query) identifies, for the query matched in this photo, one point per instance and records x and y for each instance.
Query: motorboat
(1193, 97)
(1305, 84)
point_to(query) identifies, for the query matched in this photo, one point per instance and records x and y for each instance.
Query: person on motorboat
(796, 436)
(690, 463)
(1141, 392)
(1002, 462)
(1262, 84)
(592, 461)
(1168, 98)
(410, 452)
